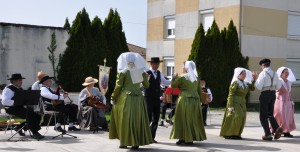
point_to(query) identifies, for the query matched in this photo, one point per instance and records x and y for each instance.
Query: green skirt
(234, 121)
(129, 121)
(188, 124)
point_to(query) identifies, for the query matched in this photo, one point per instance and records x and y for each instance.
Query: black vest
(14, 89)
(46, 100)
(154, 88)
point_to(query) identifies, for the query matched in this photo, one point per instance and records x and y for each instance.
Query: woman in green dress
(129, 121)
(235, 113)
(188, 125)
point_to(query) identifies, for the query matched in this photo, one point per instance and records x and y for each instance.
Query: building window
(293, 25)
(294, 65)
(170, 27)
(206, 18)
(169, 66)
(170, 71)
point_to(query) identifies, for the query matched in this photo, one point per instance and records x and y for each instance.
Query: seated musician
(206, 99)
(55, 101)
(91, 115)
(32, 118)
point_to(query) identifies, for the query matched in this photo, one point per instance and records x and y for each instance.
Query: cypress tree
(100, 48)
(67, 25)
(198, 52)
(75, 61)
(117, 44)
(214, 68)
(216, 54)
(233, 48)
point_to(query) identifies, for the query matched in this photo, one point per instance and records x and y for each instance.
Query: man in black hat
(152, 94)
(54, 101)
(268, 82)
(32, 119)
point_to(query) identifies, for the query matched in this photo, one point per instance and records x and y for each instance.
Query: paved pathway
(87, 141)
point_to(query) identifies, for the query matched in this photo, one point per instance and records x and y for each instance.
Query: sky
(54, 12)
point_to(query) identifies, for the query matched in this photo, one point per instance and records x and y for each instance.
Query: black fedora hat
(155, 60)
(264, 61)
(45, 78)
(16, 76)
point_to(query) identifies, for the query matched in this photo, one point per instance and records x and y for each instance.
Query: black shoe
(123, 147)
(17, 128)
(269, 137)
(161, 123)
(37, 135)
(92, 128)
(236, 137)
(73, 128)
(278, 133)
(59, 129)
(154, 141)
(288, 135)
(105, 129)
(135, 147)
(179, 142)
(169, 121)
(227, 137)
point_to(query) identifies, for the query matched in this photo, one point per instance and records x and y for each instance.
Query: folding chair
(47, 112)
(9, 117)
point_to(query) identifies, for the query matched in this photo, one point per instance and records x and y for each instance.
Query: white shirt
(7, 94)
(264, 79)
(47, 94)
(94, 91)
(36, 86)
(210, 94)
(163, 81)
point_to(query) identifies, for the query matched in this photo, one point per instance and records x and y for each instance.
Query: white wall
(23, 49)
(209, 4)
(161, 8)
(186, 25)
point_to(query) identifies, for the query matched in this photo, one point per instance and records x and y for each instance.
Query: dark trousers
(164, 107)
(266, 109)
(65, 111)
(204, 112)
(32, 118)
(153, 107)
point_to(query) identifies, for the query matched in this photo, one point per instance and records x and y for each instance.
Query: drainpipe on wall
(241, 23)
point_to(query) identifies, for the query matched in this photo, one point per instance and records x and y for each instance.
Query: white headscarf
(131, 58)
(237, 72)
(290, 78)
(191, 71)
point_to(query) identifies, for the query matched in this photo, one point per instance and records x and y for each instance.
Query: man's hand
(66, 94)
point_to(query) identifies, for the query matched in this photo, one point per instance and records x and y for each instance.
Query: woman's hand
(230, 109)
